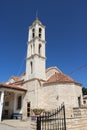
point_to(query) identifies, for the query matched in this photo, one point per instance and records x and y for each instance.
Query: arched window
(39, 49)
(31, 49)
(31, 64)
(19, 102)
(33, 33)
(40, 31)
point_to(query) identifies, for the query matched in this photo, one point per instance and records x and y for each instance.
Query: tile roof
(12, 86)
(60, 78)
(20, 82)
(16, 78)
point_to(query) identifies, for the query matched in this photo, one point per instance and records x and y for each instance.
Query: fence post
(64, 117)
(39, 123)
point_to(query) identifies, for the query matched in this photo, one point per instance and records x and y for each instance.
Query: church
(39, 87)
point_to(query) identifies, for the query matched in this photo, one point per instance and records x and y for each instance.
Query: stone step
(33, 125)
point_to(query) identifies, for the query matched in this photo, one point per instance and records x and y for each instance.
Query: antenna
(37, 14)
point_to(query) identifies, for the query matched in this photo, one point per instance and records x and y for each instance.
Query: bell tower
(36, 59)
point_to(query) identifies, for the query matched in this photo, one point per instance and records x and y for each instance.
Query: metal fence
(54, 120)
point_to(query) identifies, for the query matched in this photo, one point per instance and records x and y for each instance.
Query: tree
(84, 90)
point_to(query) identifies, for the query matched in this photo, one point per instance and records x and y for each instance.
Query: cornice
(35, 23)
(32, 56)
(36, 38)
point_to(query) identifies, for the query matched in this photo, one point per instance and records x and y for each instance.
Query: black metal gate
(54, 120)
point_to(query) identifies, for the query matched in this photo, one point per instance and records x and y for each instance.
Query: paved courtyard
(15, 125)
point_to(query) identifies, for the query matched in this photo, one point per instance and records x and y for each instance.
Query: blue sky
(66, 35)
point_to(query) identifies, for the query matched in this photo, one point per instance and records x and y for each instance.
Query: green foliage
(84, 90)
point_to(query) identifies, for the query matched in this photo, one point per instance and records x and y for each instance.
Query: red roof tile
(12, 86)
(60, 78)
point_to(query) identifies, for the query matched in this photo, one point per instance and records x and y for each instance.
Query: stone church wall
(51, 96)
(31, 96)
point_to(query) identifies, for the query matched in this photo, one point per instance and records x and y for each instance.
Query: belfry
(35, 61)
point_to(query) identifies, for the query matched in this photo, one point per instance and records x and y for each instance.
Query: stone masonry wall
(51, 96)
(78, 121)
(76, 124)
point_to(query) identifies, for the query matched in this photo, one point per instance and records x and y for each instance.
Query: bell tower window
(33, 48)
(33, 33)
(39, 49)
(40, 31)
(31, 64)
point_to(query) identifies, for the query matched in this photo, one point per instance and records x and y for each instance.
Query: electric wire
(78, 69)
(22, 63)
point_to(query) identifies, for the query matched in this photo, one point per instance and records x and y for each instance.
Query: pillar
(15, 97)
(1, 104)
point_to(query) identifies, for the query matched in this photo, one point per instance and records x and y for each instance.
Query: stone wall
(31, 96)
(51, 96)
(76, 124)
(80, 112)
(8, 103)
(78, 121)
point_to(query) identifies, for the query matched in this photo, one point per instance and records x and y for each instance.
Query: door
(79, 101)
(28, 109)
